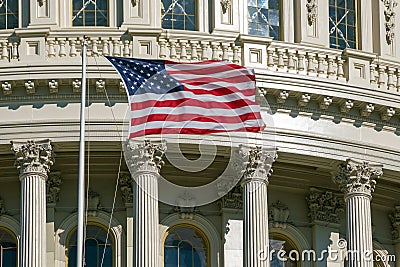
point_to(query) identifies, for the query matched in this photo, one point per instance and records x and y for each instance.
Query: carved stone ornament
(311, 11)
(394, 218)
(121, 87)
(390, 19)
(254, 162)
(225, 5)
(7, 88)
(53, 184)
(76, 86)
(279, 214)
(41, 2)
(186, 206)
(53, 86)
(100, 86)
(93, 202)
(324, 206)
(145, 156)
(30, 87)
(2, 208)
(134, 2)
(33, 156)
(126, 187)
(355, 176)
(234, 199)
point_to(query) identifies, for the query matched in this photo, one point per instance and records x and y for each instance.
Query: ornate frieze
(325, 102)
(324, 206)
(279, 214)
(394, 218)
(100, 86)
(312, 7)
(234, 199)
(388, 114)
(225, 5)
(390, 19)
(30, 87)
(53, 184)
(126, 187)
(254, 162)
(367, 109)
(7, 88)
(33, 156)
(76, 86)
(282, 97)
(53, 86)
(145, 156)
(304, 99)
(355, 176)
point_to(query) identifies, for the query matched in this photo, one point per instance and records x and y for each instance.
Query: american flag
(189, 98)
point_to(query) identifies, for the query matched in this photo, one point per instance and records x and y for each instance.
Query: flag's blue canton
(145, 76)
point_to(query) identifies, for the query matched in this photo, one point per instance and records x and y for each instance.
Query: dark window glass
(90, 13)
(185, 247)
(97, 243)
(8, 247)
(8, 14)
(342, 24)
(179, 14)
(263, 18)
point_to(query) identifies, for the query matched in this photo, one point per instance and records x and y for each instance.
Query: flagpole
(81, 176)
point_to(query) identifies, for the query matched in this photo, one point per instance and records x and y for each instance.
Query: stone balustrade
(385, 75)
(9, 49)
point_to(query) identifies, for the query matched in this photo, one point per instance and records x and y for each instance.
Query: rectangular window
(89, 12)
(343, 24)
(8, 14)
(178, 14)
(263, 18)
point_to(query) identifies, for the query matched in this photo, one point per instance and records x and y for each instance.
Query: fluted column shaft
(145, 161)
(255, 167)
(359, 230)
(255, 211)
(34, 161)
(357, 180)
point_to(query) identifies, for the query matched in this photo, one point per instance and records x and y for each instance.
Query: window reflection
(178, 14)
(8, 14)
(97, 243)
(342, 24)
(185, 247)
(279, 242)
(90, 12)
(263, 18)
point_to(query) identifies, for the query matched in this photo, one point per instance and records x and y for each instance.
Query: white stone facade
(335, 123)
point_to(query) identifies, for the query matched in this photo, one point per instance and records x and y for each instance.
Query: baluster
(183, 54)
(172, 52)
(340, 71)
(310, 65)
(52, 51)
(215, 47)
(290, 60)
(193, 52)
(95, 49)
(116, 48)
(72, 52)
(398, 80)
(300, 65)
(127, 51)
(63, 51)
(236, 57)
(163, 48)
(225, 56)
(106, 50)
(15, 50)
(204, 50)
(321, 69)
(270, 58)
(4, 50)
(330, 70)
(381, 78)
(372, 77)
(281, 63)
(390, 82)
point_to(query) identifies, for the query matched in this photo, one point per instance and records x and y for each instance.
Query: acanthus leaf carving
(390, 19)
(311, 11)
(126, 187)
(53, 189)
(145, 156)
(134, 2)
(233, 199)
(225, 5)
(324, 206)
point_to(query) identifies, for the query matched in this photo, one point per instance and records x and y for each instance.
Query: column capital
(254, 163)
(394, 218)
(145, 156)
(33, 156)
(357, 177)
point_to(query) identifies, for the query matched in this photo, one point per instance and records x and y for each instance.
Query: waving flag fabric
(189, 98)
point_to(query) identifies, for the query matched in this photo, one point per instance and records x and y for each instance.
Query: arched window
(8, 246)
(97, 245)
(8, 14)
(263, 18)
(90, 13)
(185, 246)
(282, 242)
(178, 14)
(343, 24)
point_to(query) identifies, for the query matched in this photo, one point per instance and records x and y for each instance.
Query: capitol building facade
(319, 187)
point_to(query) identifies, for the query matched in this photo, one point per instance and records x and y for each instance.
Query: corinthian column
(33, 159)
(357, 181)
(145, 161)
(256, 166)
